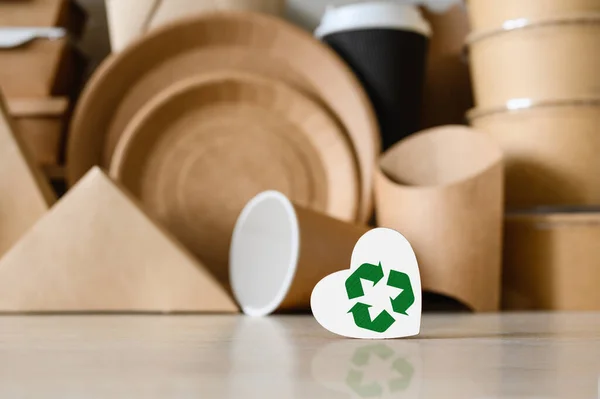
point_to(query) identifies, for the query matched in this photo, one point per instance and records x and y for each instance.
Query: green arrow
(406, 298)
(366, 271)
(406, 371)
(362, 318)
(354, 381)
(361, 355)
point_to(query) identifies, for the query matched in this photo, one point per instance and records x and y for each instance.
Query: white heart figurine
(379, 297)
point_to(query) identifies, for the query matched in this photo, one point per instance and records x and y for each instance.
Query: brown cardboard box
(61, 13)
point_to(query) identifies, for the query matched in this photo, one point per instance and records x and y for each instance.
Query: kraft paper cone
(130, 19)
(280, 251)
(40, 123)
(96, 251)
(199, 151)
(25, 194)
(486, 15)
(548, 60)
(443, 190)
(552, 261)
(241, 41)
(550, 151)
(447, 69)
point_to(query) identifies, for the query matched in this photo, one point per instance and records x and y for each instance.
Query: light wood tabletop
(456, 356)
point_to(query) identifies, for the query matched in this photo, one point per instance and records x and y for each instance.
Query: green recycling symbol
(400, 304)
(400, 366)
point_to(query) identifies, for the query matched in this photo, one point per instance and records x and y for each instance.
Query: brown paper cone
(129, 19)
(553, 60)
(280, 251)
(40, 123)
(492, 14)
(551, 153)
(25, 194)
(443, 190)
(552, 261)
(97, 251)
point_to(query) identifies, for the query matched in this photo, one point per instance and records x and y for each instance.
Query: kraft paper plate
(552, 260)
(200, 150)
(276, 44)
(443, 190)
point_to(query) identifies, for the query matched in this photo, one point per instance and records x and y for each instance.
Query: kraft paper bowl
(552, 260)
(492, 14)
(546, 60)
(443, 190)
(550, 149)
(280, 251)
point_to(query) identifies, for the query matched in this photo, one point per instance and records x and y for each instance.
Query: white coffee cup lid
(371, 15)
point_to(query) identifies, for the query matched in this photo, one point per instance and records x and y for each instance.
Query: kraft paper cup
(443, 190)
(552, 260)
(280, 251)
(385, 44)
(130, 19)
(492, 14)
(550, 149)
(546, 60)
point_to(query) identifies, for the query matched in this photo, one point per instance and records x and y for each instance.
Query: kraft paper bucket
(550, 152)
(540, 61)
(280, 251)
(129, 19)
(491, 14)
(552, 261)
(443, 190)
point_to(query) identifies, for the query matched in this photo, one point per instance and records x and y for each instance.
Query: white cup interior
(372, 15)
(264, 253)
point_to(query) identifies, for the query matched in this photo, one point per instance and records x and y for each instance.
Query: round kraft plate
(197, 152)
(255, 43)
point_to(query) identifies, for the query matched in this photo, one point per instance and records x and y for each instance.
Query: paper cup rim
(372, 15)
(240, 289)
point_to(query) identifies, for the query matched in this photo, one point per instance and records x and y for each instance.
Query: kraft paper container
(130, 19)
(25, 194)
(41, 68)
(447, 69)
(546, 60)
(550, 152)
(44, 13)
(492, 14)
(209, 42)
(443, 190)
(552, 260)
(41, 124)
(199, 151)
(97, 251)
(280, 251)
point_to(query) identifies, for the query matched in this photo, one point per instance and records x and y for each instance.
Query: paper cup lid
(371, 15)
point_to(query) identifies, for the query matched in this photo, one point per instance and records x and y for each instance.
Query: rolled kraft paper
(443, 190)
(280, 251)
(551, 153)
(556, 60)
(552, 261)
(491, 14)
(128, 19)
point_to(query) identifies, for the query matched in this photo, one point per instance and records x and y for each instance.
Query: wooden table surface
(468, 356)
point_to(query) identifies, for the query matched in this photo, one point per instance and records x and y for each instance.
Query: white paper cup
(280, 251)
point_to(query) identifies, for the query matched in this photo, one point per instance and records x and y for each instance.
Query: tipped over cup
(280, 251)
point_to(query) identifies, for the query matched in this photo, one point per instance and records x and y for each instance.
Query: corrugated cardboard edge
(454, 228)
(32, 279)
